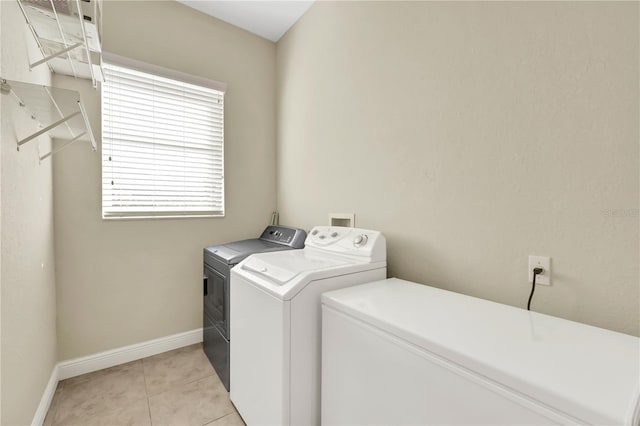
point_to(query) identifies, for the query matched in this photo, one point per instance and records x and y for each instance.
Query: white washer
(396, 352)
(275, 320)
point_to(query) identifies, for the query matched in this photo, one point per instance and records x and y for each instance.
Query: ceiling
(266, 18)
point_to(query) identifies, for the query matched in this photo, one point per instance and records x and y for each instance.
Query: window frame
(144, 67)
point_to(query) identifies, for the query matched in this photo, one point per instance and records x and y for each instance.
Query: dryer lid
(282, 267)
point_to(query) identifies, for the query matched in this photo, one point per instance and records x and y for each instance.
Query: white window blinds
(162, 146)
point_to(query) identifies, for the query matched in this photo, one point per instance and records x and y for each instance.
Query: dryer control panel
(292, 237)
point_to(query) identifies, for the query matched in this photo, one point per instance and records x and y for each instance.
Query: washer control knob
(334, 234)
(360, 240)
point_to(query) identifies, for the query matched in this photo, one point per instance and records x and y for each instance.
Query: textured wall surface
(0, 233)
(473, 134)
(123, 282)
(28, 325)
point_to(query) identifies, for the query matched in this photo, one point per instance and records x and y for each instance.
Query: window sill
(180, 216)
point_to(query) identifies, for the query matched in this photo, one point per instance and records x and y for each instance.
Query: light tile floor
(173, 388)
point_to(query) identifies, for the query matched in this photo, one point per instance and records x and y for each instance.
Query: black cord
(536, 272)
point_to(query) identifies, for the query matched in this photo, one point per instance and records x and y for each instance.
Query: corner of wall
(0, 233)
(27, 292)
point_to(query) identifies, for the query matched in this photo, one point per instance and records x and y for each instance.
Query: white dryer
(275, 320)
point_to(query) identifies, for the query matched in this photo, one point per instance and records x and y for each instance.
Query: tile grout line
(175, 384)
(146, 391)
(216, 419)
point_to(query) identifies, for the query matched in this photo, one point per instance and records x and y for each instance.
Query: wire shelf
(59, 112)
(68, 35)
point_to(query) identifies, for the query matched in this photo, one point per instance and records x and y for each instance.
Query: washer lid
(282, 267)
(588, 373)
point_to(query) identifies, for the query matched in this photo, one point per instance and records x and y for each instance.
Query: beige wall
(0, 232)
(473, 135)
(27, 262)
(123, 282)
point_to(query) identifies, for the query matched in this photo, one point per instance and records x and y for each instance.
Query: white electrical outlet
(540, 262)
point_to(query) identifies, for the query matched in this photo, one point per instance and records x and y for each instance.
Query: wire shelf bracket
(59, 113)
(54, 55)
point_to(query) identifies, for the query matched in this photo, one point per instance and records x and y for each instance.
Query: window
(162, 143)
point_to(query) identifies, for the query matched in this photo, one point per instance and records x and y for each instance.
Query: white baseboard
(47, 397)
(95, 362)
(110, 358)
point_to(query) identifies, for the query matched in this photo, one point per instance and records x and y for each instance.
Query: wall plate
(342, 219)
(540, 262)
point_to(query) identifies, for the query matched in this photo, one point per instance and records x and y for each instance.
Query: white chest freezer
(396, 352)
